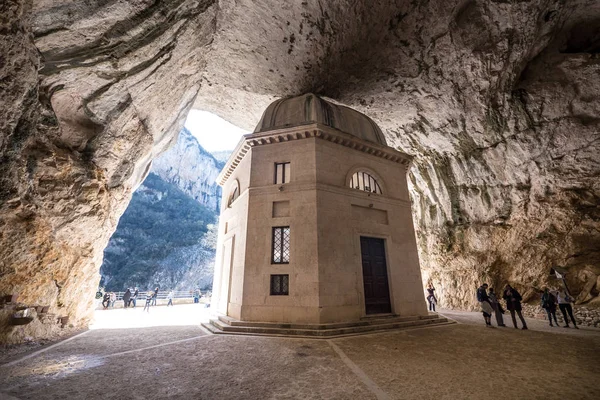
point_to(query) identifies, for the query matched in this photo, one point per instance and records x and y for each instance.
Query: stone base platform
(227, 325)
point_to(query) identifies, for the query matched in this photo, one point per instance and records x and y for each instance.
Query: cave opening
(164, 246)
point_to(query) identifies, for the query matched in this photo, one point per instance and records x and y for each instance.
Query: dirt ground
(461, 361)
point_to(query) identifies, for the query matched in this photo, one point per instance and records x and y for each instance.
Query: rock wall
(497, 100)
(84, 111)
(192, 169)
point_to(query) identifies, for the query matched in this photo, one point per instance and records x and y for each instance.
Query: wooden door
(375, 278)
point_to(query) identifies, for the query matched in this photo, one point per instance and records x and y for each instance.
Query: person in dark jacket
(513, 303)
(549, 304)
(431, 297)
(484, 303)
(564, 303)
(126, 298)
(134, 297)
(106, 300)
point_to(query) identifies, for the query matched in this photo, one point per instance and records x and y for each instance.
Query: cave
(497, 102)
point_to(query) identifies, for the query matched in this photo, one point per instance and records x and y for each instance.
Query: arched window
(362, 180)
(234, 194)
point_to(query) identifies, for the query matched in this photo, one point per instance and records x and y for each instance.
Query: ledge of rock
(498, 101)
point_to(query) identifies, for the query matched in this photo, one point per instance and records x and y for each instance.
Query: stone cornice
(308, 131)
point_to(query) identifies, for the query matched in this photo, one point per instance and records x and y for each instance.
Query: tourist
(126, 298)
(549, 304)
(113, 299)
(197, 294)
(498, 311)
(106, 300)
(484, 303)
(431, 297)
(170, 298)
(149, 297)
(134, 297)
(155, 296)
(564, 303)
(513, 303)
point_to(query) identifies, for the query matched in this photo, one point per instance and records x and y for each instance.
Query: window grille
(281, 245)
(280, 285)
(234, 195)
(282, 172)
(363, 181)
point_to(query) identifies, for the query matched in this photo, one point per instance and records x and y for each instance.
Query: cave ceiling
(497, 101)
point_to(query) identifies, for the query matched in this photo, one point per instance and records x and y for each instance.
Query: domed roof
(310, 108)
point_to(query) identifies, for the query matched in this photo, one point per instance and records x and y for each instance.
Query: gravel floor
(459, 361)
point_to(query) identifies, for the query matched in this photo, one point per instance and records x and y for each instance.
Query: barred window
(280, 285)
(234, 194)
(282, 172)
(364, 181)
(281, 245)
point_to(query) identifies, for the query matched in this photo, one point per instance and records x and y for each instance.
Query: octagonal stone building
(316, 224)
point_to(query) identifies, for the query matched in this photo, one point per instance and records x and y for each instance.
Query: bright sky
(213, 133)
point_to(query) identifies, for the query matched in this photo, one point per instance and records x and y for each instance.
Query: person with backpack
(513, 303)
(549, 304)
(564, 303)
(498, 311)
(484, 303)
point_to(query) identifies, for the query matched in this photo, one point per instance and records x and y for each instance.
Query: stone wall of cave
(498, 101)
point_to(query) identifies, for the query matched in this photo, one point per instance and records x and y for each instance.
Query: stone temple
(316, 222)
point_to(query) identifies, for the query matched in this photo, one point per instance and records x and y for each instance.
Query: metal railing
(162, 294)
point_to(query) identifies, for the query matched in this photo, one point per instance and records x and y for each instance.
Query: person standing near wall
(498, 311)
(484, 302)
(549, 304)
(513, 303)
(564, 303)
(431, 297)
(113, 298)
(170, 298)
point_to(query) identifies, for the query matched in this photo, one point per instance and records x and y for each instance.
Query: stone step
(366, 321)
(219, 326)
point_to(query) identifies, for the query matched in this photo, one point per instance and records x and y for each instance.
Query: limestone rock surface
(497, 100)
(192, 169)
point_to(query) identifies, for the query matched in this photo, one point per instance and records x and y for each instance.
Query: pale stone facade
(326, 218)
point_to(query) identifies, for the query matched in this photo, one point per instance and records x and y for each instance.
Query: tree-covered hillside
(162, 238)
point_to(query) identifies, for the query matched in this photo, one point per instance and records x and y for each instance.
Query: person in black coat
(126, 298)
(549, 304)
(106, 300)
(513, 303)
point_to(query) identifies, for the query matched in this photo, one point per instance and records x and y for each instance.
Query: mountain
(192, 169)
(161, 237)
(167, 235)
(221, 155)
